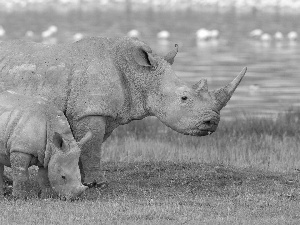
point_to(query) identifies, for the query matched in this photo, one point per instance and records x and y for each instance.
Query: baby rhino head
(63, 169)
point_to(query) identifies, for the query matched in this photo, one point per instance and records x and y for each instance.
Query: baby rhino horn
(171, 55)
(85, 139)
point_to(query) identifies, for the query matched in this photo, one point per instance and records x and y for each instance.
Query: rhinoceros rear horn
(201, 86)
(223, 95)
(171, 55)
(143, 56)
(85, 139)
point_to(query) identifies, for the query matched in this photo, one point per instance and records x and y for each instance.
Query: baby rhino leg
(46, 189)
(19, 164)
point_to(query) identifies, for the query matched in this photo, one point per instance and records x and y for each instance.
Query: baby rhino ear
(57, 140)
(143, 56)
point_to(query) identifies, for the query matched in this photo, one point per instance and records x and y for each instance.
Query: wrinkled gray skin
(32, 132)
(101, 83)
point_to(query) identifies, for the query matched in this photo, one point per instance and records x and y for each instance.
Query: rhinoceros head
(63, 169)
(189, 110)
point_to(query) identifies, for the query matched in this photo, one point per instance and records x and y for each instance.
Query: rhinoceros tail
(48, 150)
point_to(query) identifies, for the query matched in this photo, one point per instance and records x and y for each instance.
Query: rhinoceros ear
(171, 55)
(143, 56)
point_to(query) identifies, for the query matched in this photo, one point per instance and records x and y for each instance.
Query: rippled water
(271, 84)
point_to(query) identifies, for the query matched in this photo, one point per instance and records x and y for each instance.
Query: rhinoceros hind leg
(19, 164)
(46, 189)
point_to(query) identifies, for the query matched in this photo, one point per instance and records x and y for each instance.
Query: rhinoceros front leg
(90, 158)
(43, 180)
(19, 164)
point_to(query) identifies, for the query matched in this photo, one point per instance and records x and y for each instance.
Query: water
(270, 86)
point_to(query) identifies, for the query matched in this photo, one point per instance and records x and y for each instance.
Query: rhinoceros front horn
(171, 55)
(223, 95)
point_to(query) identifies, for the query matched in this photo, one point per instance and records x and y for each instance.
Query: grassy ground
(170, 193)
(245, 173)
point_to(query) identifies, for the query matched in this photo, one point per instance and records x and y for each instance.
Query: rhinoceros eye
(63, 177)
(183, 98)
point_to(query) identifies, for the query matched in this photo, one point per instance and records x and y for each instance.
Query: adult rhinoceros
(101, 83)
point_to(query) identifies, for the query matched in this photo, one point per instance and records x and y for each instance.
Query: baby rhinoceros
(34, 132)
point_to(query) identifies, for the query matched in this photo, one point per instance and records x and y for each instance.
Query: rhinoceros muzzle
(208, 124)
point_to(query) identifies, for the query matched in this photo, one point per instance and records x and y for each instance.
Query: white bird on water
(2, 31)
(278, 36)
(78, 36)
(164, 34)
(214, 34)
(256, 33)
(265, 37)
(254, 89)
(292, 36)
(207, 38)
(134, 33)
(49, 32)
(29, 34)
(203, 34)
(48, 35)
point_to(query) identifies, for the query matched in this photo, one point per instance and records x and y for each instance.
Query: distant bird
(29, 34)
(214, 34)
(256, 34)
(253, 89)
(49, 32)
(265, 37)
(203, 34)
(48, 35)
(77, 37)
(207, 38)
(163, 34)
(278, 36)
(2, 32)
(292, 36)
(134, 33)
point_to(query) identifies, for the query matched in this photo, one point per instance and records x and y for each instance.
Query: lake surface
(270, 86)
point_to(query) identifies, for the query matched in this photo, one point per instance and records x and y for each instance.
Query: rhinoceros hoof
(7, 190)
(20, 194)
(94, 184)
